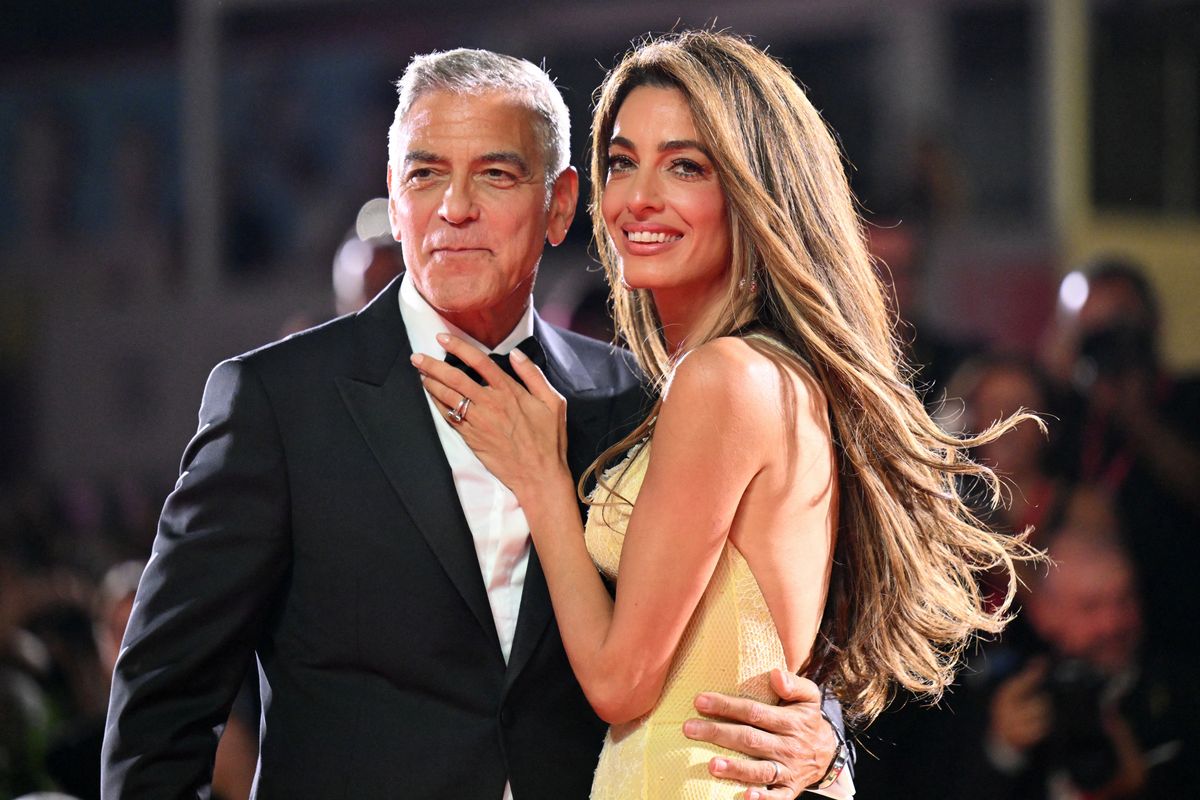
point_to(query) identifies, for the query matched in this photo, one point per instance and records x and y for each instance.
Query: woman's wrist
(541, 499)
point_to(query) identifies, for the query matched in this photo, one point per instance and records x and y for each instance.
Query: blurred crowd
(1087, 694)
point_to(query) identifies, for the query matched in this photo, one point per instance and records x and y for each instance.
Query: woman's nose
(645, 193)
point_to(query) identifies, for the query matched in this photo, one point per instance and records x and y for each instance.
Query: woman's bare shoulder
(737, 377)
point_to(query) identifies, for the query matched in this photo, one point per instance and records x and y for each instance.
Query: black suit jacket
(315, 524)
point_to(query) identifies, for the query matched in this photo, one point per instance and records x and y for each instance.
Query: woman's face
(663, 205)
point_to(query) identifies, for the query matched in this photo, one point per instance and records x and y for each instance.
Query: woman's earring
(753, 284)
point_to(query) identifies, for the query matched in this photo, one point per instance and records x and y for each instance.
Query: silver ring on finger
(774, 778)
(458, 414)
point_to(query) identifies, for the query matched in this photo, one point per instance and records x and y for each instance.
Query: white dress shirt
(497, 523)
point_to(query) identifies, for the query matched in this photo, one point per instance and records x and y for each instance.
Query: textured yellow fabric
(730, 645)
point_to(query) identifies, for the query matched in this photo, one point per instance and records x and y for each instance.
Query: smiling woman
(710, 138)
(664, 208)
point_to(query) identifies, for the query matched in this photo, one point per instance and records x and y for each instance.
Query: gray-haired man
(330, 521)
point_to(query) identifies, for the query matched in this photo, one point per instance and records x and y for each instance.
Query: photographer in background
(1133, 430)
(1094, 715)
(1137, 416)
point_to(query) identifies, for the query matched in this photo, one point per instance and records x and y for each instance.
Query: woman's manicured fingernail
(703, 702)
(720, 764)
(691, 728)
(753, 794)
(443, 338)
(416, 359)
(517, 355)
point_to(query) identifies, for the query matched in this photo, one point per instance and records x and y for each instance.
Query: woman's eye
(619, 163)
(687, 168)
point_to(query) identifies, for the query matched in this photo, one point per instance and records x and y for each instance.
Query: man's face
(1112, 302)
(1089, 609)
(468, 204)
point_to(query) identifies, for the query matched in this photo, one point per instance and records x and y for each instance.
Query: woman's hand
(519, 434)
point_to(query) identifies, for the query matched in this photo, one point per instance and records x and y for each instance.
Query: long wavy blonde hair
(904, 600)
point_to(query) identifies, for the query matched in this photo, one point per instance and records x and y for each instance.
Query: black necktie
(530, 347)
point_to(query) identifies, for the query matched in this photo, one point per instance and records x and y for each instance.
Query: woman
(785, 437)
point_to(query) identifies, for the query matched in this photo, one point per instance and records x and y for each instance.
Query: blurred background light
(1073, 291)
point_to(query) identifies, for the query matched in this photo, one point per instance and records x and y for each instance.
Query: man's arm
(219, 556)
(795, 735)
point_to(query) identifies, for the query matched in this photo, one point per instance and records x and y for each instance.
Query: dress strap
(778, 344)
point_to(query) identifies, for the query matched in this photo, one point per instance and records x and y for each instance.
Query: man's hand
(1020, 711)
(794, 735)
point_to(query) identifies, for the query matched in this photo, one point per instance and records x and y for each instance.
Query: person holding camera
(1139, 422)
(1092, 714)
(1131, 428)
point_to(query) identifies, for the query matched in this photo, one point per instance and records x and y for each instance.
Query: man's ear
(563, 198)
(393, 212)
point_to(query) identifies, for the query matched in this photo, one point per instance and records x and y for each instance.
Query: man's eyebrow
(664, 147)
(507, 157)
(421, 156)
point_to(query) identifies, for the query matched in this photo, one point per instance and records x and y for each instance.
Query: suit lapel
(387, 402)
(569, 376)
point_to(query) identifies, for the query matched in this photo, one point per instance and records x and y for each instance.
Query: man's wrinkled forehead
(439, 106)
(496, 120)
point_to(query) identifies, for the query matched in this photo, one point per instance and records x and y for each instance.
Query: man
(1132, 427)
(1097, 715)
(330, 521)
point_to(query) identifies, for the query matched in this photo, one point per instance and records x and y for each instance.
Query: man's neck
(491, 329)
(485, 327)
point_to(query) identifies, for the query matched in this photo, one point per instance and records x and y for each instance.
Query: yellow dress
(730, 645)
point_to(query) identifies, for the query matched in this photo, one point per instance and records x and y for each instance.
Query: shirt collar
(424, 323)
